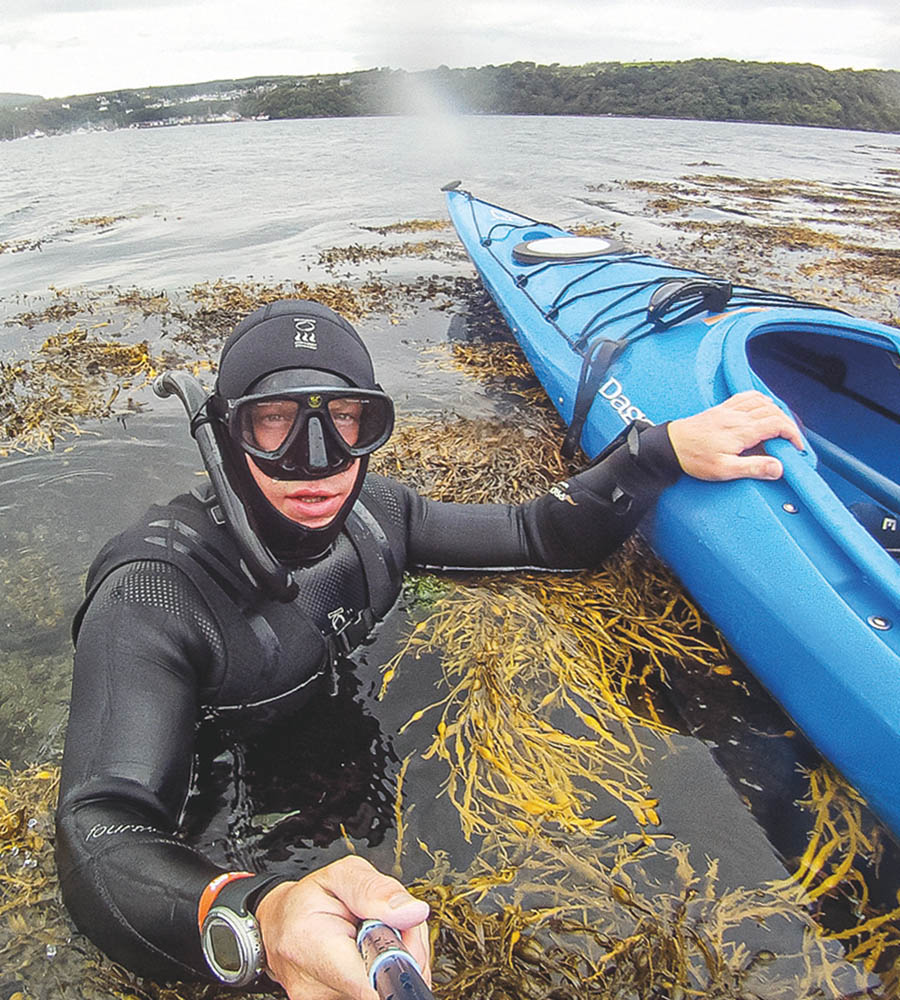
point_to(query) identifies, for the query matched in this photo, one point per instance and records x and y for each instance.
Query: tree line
(707, 89)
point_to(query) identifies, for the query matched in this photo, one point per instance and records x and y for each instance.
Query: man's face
(312, 503)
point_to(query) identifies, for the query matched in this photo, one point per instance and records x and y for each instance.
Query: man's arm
(580, 521)
(130, 883)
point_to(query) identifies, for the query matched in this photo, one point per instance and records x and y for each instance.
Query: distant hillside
(708, 89)
(18, 100)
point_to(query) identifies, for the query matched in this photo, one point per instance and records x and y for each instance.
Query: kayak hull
(805, 595)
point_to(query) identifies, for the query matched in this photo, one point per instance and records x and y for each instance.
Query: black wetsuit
(173, 632)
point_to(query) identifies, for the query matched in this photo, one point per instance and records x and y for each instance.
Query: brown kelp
(74, 376)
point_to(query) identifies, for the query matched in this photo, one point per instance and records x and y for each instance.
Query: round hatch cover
(565, 248)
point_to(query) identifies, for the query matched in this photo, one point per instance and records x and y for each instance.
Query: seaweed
(356, 253)
(409, 226)
(98, 221)
(474, 460)
(43, 398)
(611, 929)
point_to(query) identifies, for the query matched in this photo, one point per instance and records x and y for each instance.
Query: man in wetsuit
(185, 621)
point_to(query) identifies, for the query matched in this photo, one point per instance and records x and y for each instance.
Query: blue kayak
(799, 574)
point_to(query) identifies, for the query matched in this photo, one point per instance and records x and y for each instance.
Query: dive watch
(229, 932)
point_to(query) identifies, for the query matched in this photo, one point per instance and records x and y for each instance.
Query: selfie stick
(393, 972)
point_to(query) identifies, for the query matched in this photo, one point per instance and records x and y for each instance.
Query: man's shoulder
(161, 531)
(386, 495)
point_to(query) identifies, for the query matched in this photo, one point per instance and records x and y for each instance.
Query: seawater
(253, 198)
(261, 200)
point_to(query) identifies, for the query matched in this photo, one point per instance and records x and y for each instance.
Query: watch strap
(239, 891)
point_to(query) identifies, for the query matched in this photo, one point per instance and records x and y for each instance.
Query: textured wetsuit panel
(154, 584)
(386, 493)
(334, 582)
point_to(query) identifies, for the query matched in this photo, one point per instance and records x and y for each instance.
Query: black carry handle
(593, 368)
(264, 567)
(713, 296)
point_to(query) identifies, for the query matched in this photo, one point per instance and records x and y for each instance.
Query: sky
(58, 48)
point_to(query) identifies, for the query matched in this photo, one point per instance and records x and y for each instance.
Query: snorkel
(268, 572)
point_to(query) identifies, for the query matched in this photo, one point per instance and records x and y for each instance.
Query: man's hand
(711, 444)
(309, 929)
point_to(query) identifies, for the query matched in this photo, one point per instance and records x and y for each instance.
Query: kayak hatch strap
(711, 295)
(507, 226)
(560, 301)
(593, 368)
(630, 290)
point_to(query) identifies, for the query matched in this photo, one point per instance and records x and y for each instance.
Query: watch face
(232, 946)
(224, 947)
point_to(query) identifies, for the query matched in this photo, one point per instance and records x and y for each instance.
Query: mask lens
(266, 424)
(361, 422)
(347, 418)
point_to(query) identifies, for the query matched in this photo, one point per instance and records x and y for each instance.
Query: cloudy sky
(61, 47)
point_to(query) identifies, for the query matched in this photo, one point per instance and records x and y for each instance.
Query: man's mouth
(315, 506)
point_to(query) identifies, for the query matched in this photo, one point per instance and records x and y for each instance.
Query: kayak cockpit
(845, 393)
(841, 381)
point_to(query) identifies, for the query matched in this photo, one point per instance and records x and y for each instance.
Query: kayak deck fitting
(798, 573)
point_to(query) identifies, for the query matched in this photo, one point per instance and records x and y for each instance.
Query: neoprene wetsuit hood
(290, 335)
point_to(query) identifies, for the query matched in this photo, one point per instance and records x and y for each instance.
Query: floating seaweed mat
(842, 851)
(68, 380)
(516, 651)
(409, 226)
(555, 905)
(577, 917)
(358, 253)
(501, 363)
(218, 306)
(475, 460)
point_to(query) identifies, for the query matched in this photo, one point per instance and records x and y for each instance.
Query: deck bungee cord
(657, 299)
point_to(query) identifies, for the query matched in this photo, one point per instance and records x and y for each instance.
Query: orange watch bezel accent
(208, 896)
